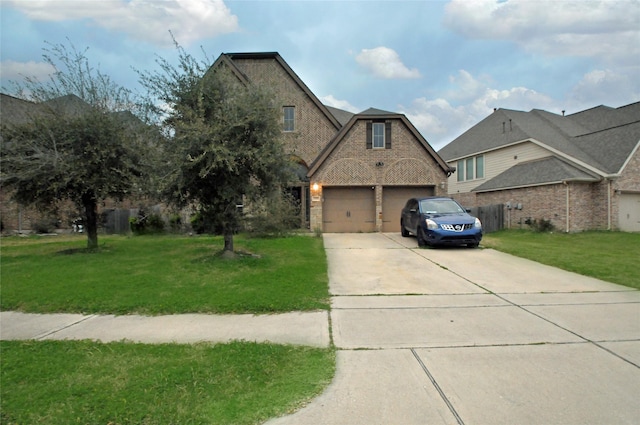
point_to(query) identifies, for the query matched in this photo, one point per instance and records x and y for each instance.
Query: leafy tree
(77, 142)
(224, 139)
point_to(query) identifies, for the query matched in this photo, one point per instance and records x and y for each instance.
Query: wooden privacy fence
(491, 216)
(116, 221)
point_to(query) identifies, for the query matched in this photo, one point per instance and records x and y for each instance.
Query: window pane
(469, 170)
(378, 135)
(480, 167)
(289, 118)
(461, 170)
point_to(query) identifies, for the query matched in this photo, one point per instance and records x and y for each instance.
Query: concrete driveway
(464, 336)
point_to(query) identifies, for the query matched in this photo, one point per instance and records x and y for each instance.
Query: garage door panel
(348, 209)
(394, 199)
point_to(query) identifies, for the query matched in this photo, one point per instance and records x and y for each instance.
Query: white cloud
(385, 63)
(612, 88)
(14, 71)
(340, 104)
(147, 20)
(440, 121)
(603, 29)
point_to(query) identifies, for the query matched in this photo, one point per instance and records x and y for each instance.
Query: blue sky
(445, 64)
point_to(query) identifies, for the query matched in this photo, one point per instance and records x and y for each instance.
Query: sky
(444, 64)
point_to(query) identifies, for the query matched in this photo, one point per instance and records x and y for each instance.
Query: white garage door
(393, 200)
(629, 215)
(348, 209)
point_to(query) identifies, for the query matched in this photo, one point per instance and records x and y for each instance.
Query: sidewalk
(299, 328)
(429, 336)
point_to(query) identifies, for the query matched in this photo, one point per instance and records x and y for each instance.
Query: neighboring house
(356, 170)
(580, 171)
(24, 219)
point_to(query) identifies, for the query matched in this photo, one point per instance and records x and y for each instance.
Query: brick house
(580, 171)
(356, 170)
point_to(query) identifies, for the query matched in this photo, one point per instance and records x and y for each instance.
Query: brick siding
(351, 164)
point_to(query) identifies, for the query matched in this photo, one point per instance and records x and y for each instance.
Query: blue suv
(440, 221)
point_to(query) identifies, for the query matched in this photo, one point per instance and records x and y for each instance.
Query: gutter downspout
(567, 206)
(609, 205)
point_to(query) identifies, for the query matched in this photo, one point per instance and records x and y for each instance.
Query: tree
(223, 139)
(78, 142)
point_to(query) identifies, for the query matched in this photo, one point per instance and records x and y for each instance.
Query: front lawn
(162, 275)
(83, 382)
(609, 256)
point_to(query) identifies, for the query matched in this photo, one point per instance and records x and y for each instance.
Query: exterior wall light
(315, 187)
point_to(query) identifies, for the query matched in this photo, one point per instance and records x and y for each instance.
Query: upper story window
(471, 168)
(379, 135)
(289, 118)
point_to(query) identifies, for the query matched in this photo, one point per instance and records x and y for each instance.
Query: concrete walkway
(430, 336)
(289, 328)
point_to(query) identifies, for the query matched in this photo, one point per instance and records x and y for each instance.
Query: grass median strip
(67, 382)
(163, 275)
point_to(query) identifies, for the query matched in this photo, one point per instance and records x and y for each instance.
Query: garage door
(393, 200)
(348, 209)
(629, 218)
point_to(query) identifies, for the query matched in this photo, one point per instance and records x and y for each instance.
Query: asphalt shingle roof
(601, 138)
(342, 116)
(543, 171)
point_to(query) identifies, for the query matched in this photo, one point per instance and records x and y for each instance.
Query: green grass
(162, 275)
(83, 382)
(609, 256)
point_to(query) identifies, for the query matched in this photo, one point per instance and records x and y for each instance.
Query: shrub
(146, 224)
(46, 225)
(175, 223)
(202, 223)
(541, 225)
(275, 216)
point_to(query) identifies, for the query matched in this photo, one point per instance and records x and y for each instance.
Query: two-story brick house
(580, 171)
(356, 170)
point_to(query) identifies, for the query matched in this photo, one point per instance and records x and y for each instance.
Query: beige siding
(496, 162)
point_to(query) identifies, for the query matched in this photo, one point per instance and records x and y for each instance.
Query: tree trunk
(228, 240)
(91, 216)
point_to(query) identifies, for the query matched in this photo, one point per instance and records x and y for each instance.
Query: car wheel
(404, 232)
(421, 237)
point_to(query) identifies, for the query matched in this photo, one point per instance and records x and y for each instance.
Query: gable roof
(375, 111)
(377, 115)
(600, 139)
(341, 115)
(538, 172)
(230, 58)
